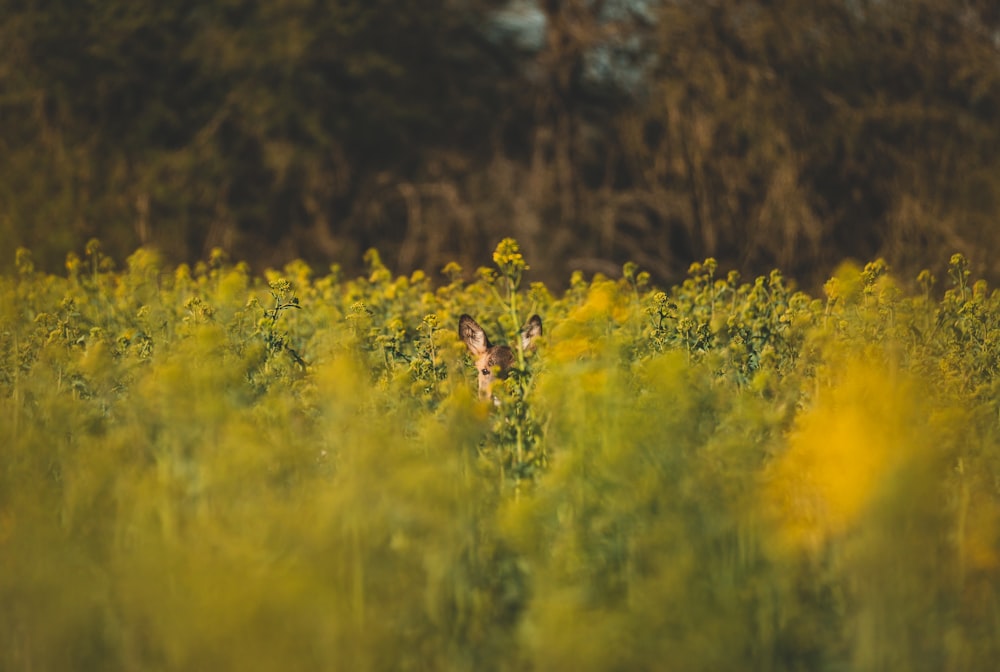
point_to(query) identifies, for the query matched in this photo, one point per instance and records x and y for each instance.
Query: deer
(493, 362)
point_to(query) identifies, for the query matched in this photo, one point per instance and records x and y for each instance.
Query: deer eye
(485, 372)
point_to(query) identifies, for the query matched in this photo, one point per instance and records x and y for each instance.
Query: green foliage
(205, 469)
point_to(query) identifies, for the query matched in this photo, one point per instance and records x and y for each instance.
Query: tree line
(790, 133)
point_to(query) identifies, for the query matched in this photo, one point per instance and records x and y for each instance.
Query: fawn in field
(493, 362)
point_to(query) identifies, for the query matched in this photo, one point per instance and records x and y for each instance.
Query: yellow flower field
(205, 469)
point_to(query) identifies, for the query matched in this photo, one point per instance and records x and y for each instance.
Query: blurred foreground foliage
(204, 469)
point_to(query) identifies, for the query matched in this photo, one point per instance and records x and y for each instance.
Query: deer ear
(472, 335)
(531, 331)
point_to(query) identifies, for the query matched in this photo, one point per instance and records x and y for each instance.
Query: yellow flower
(508, 258)
(843, 455)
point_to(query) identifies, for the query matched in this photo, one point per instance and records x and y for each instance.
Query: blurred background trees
(791, 133)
